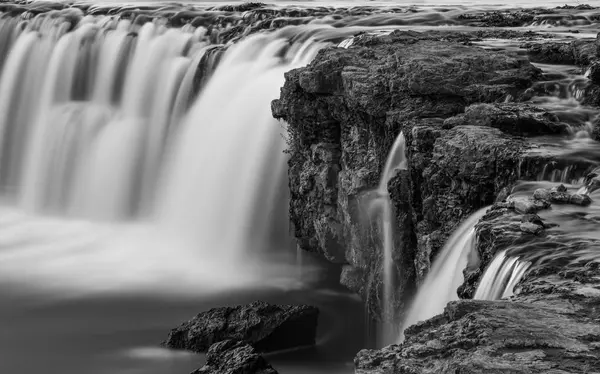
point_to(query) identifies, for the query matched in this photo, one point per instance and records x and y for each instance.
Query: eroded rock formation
(462, 111)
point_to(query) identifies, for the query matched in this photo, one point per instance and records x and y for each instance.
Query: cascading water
(382, 204)
(446, 274)
(106, 162)
(501, 277)
(395, 161)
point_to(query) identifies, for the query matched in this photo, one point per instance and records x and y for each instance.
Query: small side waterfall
(501, 277)
(446, 274)
(395, 161)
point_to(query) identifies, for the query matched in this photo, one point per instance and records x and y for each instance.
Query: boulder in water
(234, 357)
(266, 327)
(524, 206)
(580, 199)
(531, 228)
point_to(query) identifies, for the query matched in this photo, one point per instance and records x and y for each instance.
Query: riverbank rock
(461, 109)
(234, 357)
(265, 326)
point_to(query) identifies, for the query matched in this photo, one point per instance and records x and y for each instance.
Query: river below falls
(121, 334)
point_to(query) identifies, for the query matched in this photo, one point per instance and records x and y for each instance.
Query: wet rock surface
(234, 357)
(520, 336)
(550, 326)
(264, 326)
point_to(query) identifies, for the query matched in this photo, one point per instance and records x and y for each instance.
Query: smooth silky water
(143, 180)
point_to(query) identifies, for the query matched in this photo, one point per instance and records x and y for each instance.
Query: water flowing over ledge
(125, 145)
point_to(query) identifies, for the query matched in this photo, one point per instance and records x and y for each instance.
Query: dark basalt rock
(344, 111)
(577, 52)
(265, 326)
(234, 357)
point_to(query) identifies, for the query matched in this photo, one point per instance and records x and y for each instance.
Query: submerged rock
(265, 326)
(234, 357)
(579, 199)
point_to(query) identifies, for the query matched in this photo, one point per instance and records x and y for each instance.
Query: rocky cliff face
(466, 126)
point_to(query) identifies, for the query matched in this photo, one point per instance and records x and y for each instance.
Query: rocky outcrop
(511, 118)
(265, 326)
(461, 110)
(234, 357)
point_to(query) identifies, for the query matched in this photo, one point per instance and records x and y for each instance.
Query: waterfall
(446, 274)
(141, 157)
(501, 277)
(396, 160)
